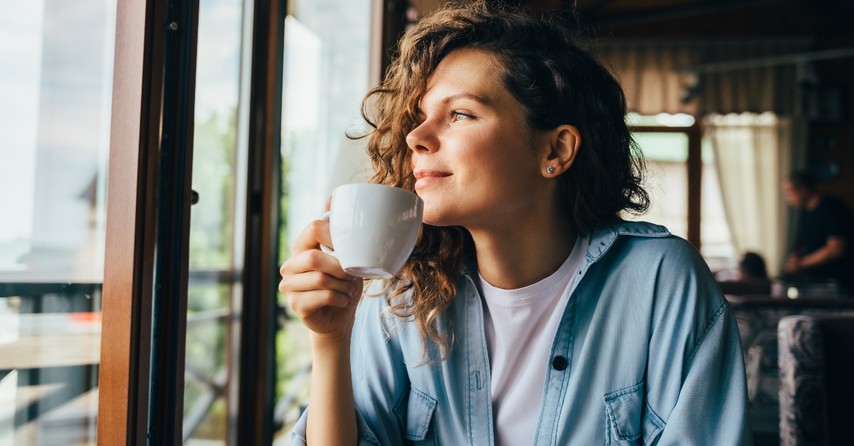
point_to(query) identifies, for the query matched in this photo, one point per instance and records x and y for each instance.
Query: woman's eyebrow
(471, 96)
(450, 98)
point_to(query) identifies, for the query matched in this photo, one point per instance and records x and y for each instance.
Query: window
(685, 195)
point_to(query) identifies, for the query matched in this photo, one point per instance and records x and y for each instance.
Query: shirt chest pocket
(418, 417)
(629, 420)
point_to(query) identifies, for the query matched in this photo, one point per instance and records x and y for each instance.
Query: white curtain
(753, 153)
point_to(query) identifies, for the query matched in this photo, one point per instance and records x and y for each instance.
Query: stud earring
(550, 169)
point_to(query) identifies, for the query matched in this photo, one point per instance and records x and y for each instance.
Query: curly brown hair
(556, 82)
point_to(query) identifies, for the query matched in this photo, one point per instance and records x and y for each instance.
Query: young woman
(529, 312)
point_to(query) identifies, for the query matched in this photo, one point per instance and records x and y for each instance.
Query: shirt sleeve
(695, 375)
(712, 406)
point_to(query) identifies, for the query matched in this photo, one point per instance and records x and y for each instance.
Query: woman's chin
(435, 220)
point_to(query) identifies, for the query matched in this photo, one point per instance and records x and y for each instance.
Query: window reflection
(55, 104)
(326, 74)
(55, 93)
(325, 78)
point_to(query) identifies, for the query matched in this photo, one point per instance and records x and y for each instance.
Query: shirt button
(559, 363)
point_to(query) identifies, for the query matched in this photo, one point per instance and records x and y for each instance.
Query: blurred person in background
(752, 267)
(822, 250)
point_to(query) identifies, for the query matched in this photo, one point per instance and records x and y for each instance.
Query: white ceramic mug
(374, 228)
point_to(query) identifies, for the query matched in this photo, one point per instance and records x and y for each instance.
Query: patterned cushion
(814, 353)
(802, 390)
(757, 318)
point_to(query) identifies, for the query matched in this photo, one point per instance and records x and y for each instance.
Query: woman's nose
(421, 138)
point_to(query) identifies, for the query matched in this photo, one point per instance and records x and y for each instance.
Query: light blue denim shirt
(647, 352)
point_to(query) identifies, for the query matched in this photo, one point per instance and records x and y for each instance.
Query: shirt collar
(602, 238)
(605, 236)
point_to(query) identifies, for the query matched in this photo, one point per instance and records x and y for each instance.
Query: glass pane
(666, 182)
(215, 257)
(326, 74)
(55, 93)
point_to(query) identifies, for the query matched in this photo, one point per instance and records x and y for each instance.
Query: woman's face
(476, 162)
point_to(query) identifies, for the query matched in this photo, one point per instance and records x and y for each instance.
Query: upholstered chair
(816, 362)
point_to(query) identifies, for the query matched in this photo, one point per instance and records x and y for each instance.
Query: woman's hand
(319, 292)
(324, 297)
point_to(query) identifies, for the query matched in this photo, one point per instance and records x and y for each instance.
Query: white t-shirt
(520, 328)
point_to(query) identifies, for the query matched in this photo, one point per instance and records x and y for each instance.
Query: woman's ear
(564, 142)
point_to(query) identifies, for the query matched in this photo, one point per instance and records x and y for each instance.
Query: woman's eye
(458, 115)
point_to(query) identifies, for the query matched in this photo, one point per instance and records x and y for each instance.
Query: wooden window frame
(694, 166)
(127, 289)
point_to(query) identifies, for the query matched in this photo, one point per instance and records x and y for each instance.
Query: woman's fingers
(313, 260)
(308, 303)
(318, 281)
(318, 291)
(313, 279)
(314, 235)
(323, 303)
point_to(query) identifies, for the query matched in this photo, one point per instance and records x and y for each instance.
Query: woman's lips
(426, 177)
